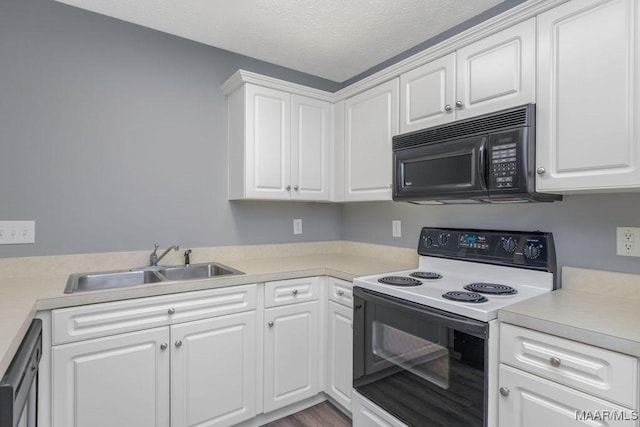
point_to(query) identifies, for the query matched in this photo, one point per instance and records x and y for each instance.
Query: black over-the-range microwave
(485, 159)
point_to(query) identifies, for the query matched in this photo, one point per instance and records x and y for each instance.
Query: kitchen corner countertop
(21, 298)
(605, 321)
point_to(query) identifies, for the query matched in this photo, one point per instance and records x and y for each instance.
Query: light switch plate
(396, 226)
(17, 232)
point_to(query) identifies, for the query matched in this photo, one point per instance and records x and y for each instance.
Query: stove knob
(443, 239)
(509, 244)
(532, 251)
(428, 241)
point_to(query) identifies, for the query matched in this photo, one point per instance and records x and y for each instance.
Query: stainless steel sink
(197, 271)
(109, 280)
(82, 282)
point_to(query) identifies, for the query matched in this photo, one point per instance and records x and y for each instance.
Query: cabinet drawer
(603, 373)
(99, 320)
(528, 400)
(341, 291)
(283, 292)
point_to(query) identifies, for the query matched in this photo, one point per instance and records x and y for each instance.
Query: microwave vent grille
(478, 126)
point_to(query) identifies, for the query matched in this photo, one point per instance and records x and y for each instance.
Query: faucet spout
(154, 258)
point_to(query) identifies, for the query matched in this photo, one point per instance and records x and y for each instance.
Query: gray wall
(584, 226)
(113, 137)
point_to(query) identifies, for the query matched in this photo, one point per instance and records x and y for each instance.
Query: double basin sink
(82, 282)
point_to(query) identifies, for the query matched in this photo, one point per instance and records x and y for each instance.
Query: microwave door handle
(482, 163)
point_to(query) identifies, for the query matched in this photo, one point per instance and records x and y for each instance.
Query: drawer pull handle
(178, 343)
(164, 346)
(555, 362)
(340, 293)
(171, 310)
(270, 323)
(295, 292)
(504, 391)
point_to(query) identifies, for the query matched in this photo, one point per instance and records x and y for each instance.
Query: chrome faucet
(154, 258)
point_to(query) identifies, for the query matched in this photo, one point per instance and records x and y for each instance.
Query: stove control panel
(525, 249)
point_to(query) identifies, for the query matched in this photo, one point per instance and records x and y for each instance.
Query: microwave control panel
(504, 165)
(506, 160)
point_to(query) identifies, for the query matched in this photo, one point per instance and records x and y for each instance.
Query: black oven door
(447, 170)
(424, 366)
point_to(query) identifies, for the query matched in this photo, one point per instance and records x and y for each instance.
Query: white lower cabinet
(529, 401)
(291, 354)
(545, 380)
(196, 373)
(213, 371)
(339, 352)
(114, 381)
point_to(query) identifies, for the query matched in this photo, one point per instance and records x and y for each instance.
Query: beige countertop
(22, 297)
(594, 307)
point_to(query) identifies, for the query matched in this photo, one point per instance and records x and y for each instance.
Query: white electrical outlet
(297, 226)
(628, 241)
(396, 226)
(17, 232)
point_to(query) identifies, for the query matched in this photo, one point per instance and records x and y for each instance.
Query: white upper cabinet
(371, 120)
(310, 143)
(278, 145)
(428, 94)
(491, 74)
(588, 91)
(497, 72)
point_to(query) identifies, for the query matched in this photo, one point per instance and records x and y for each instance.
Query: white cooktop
(455, 275)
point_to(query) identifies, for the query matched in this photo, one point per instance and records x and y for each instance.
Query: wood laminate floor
(322, 415)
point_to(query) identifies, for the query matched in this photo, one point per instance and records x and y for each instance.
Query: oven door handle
(454, 321)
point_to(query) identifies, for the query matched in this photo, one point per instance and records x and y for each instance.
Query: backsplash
(583, 226)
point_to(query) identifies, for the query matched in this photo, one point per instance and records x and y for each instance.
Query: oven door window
(425, 369)
(426, 359)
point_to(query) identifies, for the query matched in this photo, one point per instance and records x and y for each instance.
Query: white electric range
(430, 334)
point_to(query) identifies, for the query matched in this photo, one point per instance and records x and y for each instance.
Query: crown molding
(241, 77)
(511, 17)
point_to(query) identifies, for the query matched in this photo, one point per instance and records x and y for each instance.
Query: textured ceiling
(333, 39)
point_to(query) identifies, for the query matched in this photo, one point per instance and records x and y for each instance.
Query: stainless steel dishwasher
(19, 386)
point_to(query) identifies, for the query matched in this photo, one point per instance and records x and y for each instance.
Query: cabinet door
(427, 95)
(291, 347)
(531, 401)
(310, 143)
(213, 371)
(587, 118)
(371, 120)
(121, 380)
(497, 72)
(268, 143)
(339, 354)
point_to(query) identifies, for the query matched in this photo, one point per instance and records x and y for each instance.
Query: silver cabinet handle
(164, 346)
(448, 107)
(295, 187)
(171, 310)
(295, 292)
(541, 171)
(178, 343)
(555, 362)
(270, 323)
(288, 188)
(459, 104)
(504, 391)
(340, 293)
